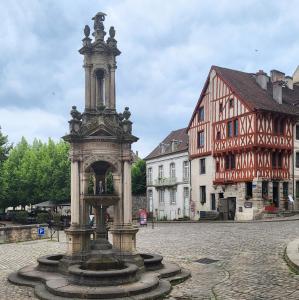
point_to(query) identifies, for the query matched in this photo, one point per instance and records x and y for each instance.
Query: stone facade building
(241, 142)
(168, 178)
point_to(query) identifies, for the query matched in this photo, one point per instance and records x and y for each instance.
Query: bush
(21, 216)
(42, 218)
(56, 219)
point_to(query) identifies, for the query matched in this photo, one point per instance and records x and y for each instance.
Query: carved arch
(114, 162)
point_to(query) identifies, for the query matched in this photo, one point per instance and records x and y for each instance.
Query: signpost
(41, 231)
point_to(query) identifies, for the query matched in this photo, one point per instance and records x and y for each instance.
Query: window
(229, 129)
(297, 132)
(201, 139)
(275, 126)
(202, 166)
(201, 114)
(231, 102)
(227, 162)
(160, 172)
(273, 159)
(265, 190)
(279, 160)
(220, 107)
(149, 176)
(236, 127)
(161, 196)
(186, 170)
(150, 199)
(202, 193)
(285, 189)
(217, 166)
(297, 159)
(172, 170)
(218, 135)
(249, 189)
(297, 189)
(281, 127)
(230, 162)
(186, 193)
(172, 196)
(213, 202)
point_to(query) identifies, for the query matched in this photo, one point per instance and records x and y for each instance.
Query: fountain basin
(49, 263)
(152, 261)
(92, 275)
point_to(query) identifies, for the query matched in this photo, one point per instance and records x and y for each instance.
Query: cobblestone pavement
(250, 259)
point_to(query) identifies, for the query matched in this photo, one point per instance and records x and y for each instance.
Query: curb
(228, 222)
(292, 255)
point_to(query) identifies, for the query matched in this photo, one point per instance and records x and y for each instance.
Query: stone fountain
(100, 141)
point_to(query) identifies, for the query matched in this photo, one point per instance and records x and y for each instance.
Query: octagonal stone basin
(152, 261)
(49, 263)
(103, 274)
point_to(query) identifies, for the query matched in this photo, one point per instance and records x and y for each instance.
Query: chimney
(296, 77)
(277, 76)
(277, 91)
(289, 82)
(262, 79)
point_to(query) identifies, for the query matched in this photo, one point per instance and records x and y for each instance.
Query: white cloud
(31, 123)
(167, 50)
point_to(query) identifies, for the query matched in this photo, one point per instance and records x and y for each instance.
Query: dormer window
(220, 107)
(231, 102)
(201, 114)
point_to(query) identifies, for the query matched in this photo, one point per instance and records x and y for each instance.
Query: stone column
(84, 205)
(118, 208)
(112, 86)
(107, 90)
(75, 193)
(101, 230)
(87, 68)
(93, 92)
(127, 193)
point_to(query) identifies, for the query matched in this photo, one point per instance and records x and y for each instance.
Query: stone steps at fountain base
(159, 292)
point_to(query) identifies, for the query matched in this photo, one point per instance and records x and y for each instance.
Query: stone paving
(250, 259)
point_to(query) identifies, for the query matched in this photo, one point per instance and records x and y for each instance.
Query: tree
(5, 147)
(139, 177)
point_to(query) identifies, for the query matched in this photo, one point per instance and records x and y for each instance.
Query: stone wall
(138, 202)
(22, 233)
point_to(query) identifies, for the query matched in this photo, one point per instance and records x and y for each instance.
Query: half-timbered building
(241, 142)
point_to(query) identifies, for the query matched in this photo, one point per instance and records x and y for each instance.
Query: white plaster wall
(198, 180)
(171, 211)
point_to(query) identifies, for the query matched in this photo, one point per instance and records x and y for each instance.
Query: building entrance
(276, 193)
(227, 208)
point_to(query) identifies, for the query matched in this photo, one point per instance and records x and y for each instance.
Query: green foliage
(139, 177)
(109, 184)
(42, 218)
(21, 216)
(56, 219)
(35, 173)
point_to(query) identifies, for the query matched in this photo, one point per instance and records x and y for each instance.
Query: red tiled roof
(245, 86)
(179, 135)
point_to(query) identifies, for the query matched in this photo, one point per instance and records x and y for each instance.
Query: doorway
(276, 193)
(213, 202)
(227, 208)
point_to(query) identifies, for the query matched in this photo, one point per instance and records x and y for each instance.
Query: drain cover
(206, 260)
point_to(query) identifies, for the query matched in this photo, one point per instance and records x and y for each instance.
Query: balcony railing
(165, 181)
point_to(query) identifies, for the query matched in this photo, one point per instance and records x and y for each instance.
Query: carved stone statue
(126, 113)
(76, 115)
(86, 31)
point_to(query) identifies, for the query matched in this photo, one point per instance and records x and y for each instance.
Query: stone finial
(87, 40)
(99, 32)
(112, 32)
(126, 113)
(86, 31)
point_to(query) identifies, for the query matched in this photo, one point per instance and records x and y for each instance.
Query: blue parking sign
(41, 231)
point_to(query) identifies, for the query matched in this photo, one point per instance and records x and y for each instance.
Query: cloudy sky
(167, 49)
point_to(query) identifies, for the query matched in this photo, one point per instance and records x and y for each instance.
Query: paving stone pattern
(250, 266)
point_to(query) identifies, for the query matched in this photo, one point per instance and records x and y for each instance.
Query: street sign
(41, 231)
